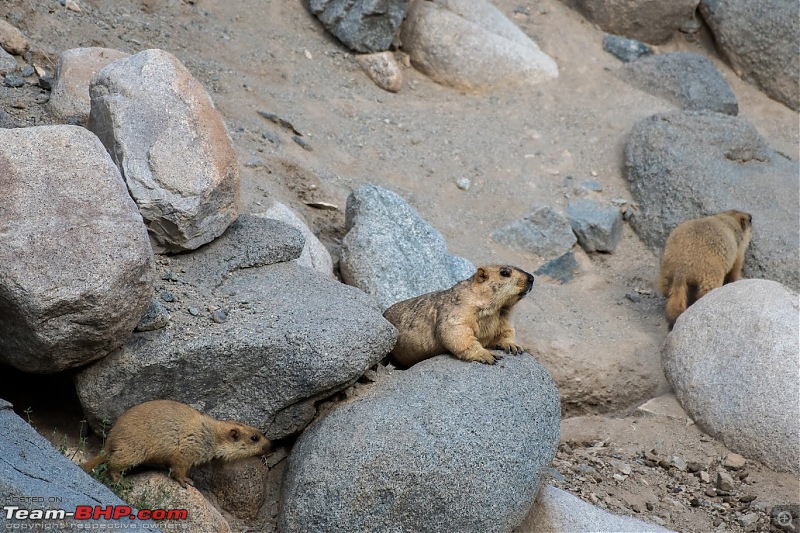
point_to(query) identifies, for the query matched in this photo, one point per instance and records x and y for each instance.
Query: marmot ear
(235, 434)
(481, 275)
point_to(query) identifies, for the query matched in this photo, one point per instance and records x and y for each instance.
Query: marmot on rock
(464, 320)
(700, 255)
(172, 434)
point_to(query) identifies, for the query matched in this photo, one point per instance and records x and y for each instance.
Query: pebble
(632, 296)
(747, 498)
(724, 481)
(302, 143)
(219, 316)
(705, 477)
(168, 296)
(694, 466)
(194, 311)
(463, 184)
(619, 202)
(592, 185)
(26, 71)
(628, 213)
(169, 275)
(625, 50)
(12, 80)
(678, 462)
(734, 461)
(46, 82)
(748, 519)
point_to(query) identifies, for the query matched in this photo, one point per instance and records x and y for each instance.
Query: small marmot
(700, 255)
(172, 434)
(463, 320)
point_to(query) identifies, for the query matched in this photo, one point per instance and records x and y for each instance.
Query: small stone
(598, 228)
(628, 213)
(734, 461)
(562, 269)
(632, 296)
(26, 71)
(72, 6)
(12, 80)
(299, 140)
(46, 82)
(650, 506)
(619, 477)
(678, 462)
(724, 481)
(156, 317)
(691, 26)
(694, 466)
(705, 477)
(625, 49)
(711, 492)
(168, 296)
(169, 275)
(619, 202)
(194, 311)
(748, 519)
(592, 185)
(219, 316)
(463, 184)
(747, 498)
(695, 502)
(382, 68)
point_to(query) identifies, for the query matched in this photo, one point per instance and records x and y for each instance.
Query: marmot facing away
(463, 320)
(701, 255)
(163, 432)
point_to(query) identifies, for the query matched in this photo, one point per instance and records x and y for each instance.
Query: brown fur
(463, 320)
(172, 434)
(701, 255)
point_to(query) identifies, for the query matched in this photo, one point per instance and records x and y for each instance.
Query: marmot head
(744, 220)
(239, 440)
(504, 285)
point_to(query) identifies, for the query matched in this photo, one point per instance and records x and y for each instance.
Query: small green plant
(152, 499)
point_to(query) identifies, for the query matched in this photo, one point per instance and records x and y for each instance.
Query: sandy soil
(519, 147)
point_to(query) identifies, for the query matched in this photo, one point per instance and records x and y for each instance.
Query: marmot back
(463, 320)
(172, 434)
(701, 255)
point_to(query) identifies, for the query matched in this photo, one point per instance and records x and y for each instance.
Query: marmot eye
(254, 438)
(505, 272)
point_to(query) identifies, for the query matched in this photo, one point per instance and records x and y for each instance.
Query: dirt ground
(518, 147)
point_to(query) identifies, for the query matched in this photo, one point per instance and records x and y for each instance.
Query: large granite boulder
(444, 446)
(470, 45)
(391, 252)
(249, 340)
(760, 40)
(35, 476)
(732, 360)
(683, 165)
(652, 21)
(76, 268)
(170, 143)
(362, 25)
(69, 100)
(687, 79)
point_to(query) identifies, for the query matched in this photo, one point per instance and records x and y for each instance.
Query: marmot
(701, 255)
(164, 432)
(463, 320)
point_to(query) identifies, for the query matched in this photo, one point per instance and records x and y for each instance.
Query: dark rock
(625, 49)
(683, 165)
(156, 317)
(561, 269)
(46, 82)
(219, 315)
(686, 79)
(362, 25)
(760, 40)
(12, 80)
(544, 231)
(632, 296)
(404, 468)
(27, 71)
(598, 228)
(168, 296)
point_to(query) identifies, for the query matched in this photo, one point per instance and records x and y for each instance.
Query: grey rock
(12, 40)
(471, 45)
(27, 71)
(649, 21)
(362, 25)
(725, 481)
(291, 337)
(155, 317)
(13, 81)
(561, 269)
(625, 49)
(8, 63)
(683, 165)
(405, 468)
(74, 72)
(171, 145)
(687, 79)
(732, 361)
(760, 40)
(76, 268)
(544, 231)
(36, 475)
(250, 242)
(382, 68)
(464, 184)
(598, 227)
(392, 253)
(314, 256)
(558, 511)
